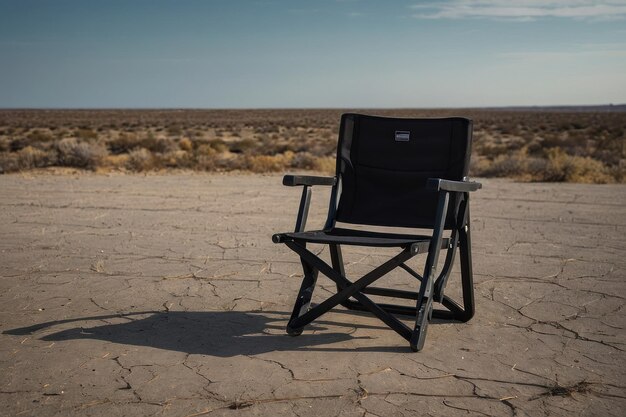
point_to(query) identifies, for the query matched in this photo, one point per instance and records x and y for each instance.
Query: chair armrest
(294, 180)
(306, 181)
(437, 184)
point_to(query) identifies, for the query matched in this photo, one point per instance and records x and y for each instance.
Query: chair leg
(424, 315)
(303, 302)
(467, 279)
(424, 305)
(442, 280)
(336, 259)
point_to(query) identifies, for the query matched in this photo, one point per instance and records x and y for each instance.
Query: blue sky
(325, 53)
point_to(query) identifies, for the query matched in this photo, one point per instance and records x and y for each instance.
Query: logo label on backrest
(402, 135)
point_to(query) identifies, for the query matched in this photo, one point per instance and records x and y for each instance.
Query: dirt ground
(164, 295)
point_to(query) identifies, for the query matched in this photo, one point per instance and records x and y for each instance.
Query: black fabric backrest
(383, 164)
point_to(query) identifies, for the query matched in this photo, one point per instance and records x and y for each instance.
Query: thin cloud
(522, 9)
(545, 56)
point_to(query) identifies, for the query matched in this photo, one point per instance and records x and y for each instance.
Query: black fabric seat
(398, 173)
(359, 238)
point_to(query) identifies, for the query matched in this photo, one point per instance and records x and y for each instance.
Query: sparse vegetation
(584, 146)
(81, 154)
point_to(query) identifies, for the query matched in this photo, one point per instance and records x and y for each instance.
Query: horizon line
(138, 108)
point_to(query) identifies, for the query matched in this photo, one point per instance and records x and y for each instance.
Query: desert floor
(164, 295)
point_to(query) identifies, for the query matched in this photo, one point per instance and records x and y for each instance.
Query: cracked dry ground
(163, 295)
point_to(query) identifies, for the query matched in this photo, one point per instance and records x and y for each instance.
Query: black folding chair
(400, 173)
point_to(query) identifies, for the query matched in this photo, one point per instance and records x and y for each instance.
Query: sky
(311, 54)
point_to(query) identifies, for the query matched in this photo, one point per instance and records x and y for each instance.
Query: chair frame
(431, 285)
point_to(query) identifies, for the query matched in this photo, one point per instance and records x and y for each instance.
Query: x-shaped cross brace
(302, 315)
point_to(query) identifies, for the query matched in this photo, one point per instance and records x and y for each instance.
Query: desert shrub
(562, 139)
(328, 135)
(195, 133)
(31, 157)
(267, 128)
(62, 133)
(515, 142)
(80, 154)
(325, 164)
(306, 160)
(85, 133)
(160, 145)
(491, 148)
(37, 139)
(267, 145)
(322, 148)
(242, 146)
(177, 159)
(516, 164)
(619, 171)
(535, 146)
(140, 159)
(9, 162)
(18, 143)
(115, 161)
(507, 165)
(227, 161)
(185, 144)
(208, 159)
(5, 144)
(204, 149)
(534, 169)
(39, 135)
(269, 163)
(207, 162)
(303, 160)
(124, 143)
(174, 130)
(218, 144)
(610, 149)
(564, 167)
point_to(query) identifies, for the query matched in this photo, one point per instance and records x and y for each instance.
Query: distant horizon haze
(573, 107)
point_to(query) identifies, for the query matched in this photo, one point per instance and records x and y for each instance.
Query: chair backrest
(383, 164)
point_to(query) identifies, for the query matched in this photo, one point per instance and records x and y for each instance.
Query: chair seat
(358, 238)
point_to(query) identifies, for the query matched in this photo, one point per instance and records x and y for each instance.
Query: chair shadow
(214, 333)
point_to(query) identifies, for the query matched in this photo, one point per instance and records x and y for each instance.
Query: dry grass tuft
(185, 144)
(140, 160)
(269, 163)
(30, 157)
(80, 154)
(568, 168)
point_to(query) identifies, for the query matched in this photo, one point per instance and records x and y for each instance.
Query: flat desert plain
(157, 295)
